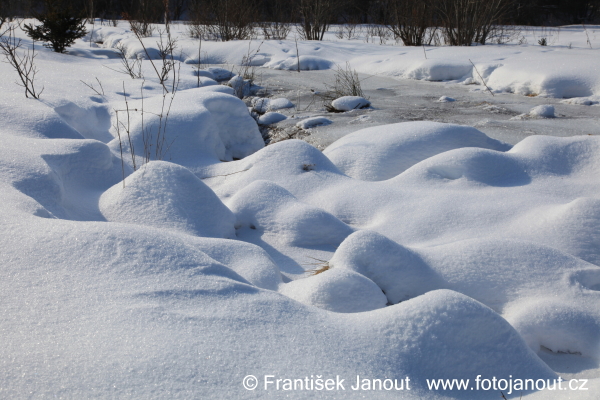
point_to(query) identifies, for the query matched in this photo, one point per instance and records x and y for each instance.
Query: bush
(59, 29)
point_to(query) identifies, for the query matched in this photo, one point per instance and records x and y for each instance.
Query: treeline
(319, 12)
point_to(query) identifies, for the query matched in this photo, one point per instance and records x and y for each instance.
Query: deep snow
(446, 253)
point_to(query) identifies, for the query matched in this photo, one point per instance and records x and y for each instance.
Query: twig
(482, 80)
(297, 54)
(233, 173)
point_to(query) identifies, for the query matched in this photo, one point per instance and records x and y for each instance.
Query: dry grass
(322, 266)
(346, 83)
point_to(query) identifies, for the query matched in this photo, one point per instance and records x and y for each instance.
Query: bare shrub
(346, 83)
(131, 66)
(277, 18)
(465, 22)
(22, 63)
(316, 16)
(141, 28)
(410, 21)
(224, 19)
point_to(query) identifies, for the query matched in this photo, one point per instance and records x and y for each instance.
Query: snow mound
(445, 99)
(262, 104)
(271, 118)
(543, 111)
(165, 195)
(436, 70)
(207, 82)
(220, 74)
(249, 261)
(398, 271)
(337, 290)
(558, 327)
(382, 152)
(267, 207)
(204, 126)
(307, 63)
(313, 122)
(347, 103)
(242, 87)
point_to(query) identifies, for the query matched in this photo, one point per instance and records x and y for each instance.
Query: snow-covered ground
(456, 232)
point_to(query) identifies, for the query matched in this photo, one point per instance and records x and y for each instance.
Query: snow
(313, 122)
(381, 153)
(271, 118)
(263, 104)
(347, 103)
(167, 196)
(544, 111)
(304, 63)
(337, 290)
(179, 259)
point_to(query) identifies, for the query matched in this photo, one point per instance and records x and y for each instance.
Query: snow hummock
(347, 103)
(203, 126)
(263, 104)
(166, 195)
(313, 122)
(544, 111)
(271, 118)
(337, 290)
(382, 152)
(399, 272)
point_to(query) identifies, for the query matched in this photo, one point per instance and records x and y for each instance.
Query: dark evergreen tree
(59, 28)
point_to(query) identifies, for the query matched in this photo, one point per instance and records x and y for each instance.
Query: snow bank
(165, 195)
(337, 290)
(347, 103)
(382, 152)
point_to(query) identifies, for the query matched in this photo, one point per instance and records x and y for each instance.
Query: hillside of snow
(155, 247)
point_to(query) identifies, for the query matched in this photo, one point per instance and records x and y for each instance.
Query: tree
(59, 29)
